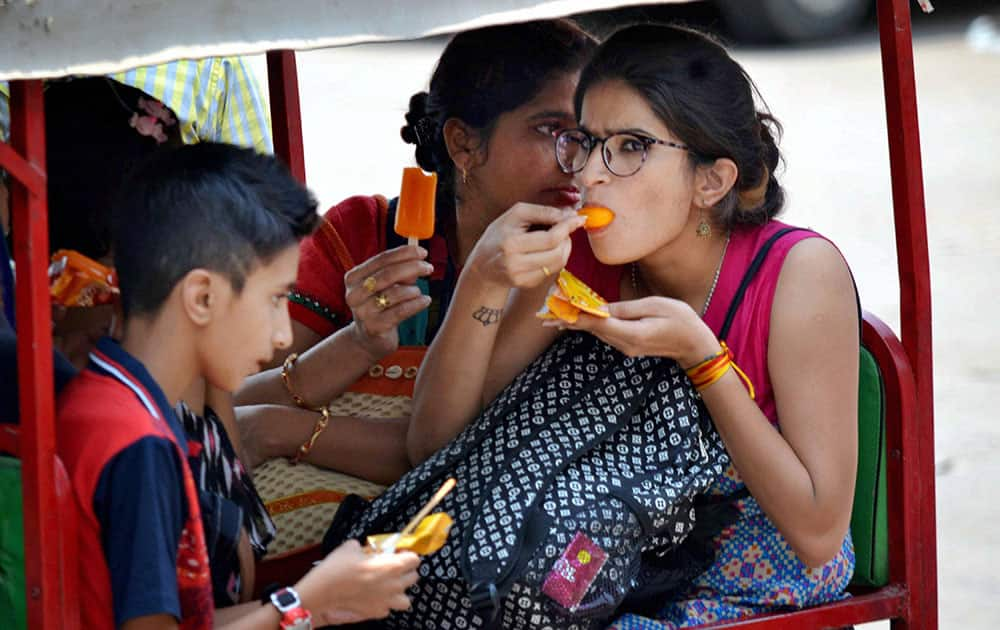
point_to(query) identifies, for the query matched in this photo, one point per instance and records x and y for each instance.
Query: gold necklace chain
(711, 290)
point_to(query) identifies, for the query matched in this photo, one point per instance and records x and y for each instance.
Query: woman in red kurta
(485, 126)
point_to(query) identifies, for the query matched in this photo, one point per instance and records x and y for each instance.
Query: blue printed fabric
(755, 572)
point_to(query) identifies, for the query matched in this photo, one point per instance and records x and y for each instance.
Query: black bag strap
(748, 277)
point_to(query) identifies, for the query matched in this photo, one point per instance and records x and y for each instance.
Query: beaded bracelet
(286, 378)
(307, 446)
(712, 368)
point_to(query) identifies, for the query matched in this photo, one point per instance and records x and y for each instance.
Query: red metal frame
(286, 114)
(910, 599)
(914, 273)
(25, 160)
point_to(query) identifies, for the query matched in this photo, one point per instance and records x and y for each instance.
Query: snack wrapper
(569, 297)
(429, 536)
(76, 280)
(574, 571)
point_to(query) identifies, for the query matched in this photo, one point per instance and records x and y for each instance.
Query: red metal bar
(19, 168)
(914, 273)
(10, 441)
(286, 115)
(34, 358)
(885, 603)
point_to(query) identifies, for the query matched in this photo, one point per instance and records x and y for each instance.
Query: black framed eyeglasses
(623, 153)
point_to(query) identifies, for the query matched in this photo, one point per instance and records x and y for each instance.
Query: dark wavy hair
(482, 74)
(207, 205)
(707, 99)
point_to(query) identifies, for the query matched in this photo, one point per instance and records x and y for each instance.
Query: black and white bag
(587, 460)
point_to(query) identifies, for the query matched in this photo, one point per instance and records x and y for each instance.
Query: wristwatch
(293, 615)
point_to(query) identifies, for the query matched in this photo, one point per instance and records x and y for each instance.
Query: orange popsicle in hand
(415, 213)
(597, 216)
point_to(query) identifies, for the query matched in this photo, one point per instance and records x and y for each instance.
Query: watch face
(285, 599)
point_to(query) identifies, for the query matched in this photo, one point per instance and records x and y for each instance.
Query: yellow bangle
(307, 446)
(286, 378)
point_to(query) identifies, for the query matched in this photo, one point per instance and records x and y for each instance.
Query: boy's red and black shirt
(142, 547)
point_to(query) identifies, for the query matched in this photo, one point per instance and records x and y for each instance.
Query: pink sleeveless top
(755, 570)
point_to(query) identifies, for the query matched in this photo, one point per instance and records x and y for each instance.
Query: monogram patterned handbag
(588, 459)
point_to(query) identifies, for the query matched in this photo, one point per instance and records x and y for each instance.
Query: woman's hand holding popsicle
(382, 292)
(514, 252)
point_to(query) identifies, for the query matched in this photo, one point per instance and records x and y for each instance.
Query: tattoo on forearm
(487, 316)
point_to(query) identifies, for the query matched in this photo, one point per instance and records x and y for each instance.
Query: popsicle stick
(412, 241)
(389, 546)
(445, 488)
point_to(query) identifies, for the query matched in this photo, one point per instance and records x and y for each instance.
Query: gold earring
(704, 229)
(465, 177)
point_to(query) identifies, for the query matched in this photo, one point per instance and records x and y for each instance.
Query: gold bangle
(307, 446)
(286, 378)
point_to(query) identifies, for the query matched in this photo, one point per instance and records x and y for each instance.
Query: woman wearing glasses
(496, 98)
(670, 138)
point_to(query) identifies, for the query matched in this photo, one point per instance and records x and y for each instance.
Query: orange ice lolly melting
(597, 216)
(415, 214)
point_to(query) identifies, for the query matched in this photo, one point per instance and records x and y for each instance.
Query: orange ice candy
(415, 214)
(597, 216)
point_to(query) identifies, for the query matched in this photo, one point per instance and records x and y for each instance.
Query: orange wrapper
(429, 536)
(415, 213)
(597, 217)
(569, 297)
(75, 280)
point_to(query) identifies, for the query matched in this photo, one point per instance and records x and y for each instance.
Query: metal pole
(34, 358)
(914, 273)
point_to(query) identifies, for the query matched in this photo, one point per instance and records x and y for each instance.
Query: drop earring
(704, 229)
(465, 177)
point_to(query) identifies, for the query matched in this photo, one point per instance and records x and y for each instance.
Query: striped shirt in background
(216, 99)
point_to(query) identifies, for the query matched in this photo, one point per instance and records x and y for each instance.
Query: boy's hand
(350, 585)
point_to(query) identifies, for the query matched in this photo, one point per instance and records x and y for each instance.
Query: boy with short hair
(206, 249)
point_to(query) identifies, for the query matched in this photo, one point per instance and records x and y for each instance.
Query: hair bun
(415, 130)
(752, 198)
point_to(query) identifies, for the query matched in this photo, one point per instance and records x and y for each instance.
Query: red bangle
(712, 368)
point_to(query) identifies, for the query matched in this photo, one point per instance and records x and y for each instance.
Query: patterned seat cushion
(302, 500)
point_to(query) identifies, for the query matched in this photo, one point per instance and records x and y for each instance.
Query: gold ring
(382, 301)
(546, 271)
(369, 284)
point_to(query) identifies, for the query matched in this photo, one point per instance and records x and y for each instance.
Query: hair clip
(157, 116)
(152, 118)
(425, 129)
